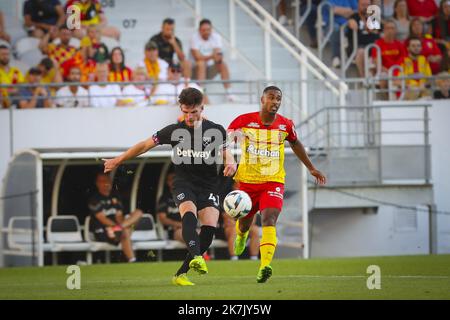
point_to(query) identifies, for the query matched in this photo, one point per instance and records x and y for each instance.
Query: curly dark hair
(190, 97)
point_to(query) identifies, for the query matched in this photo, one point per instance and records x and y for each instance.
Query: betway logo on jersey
(262, 152)
(193, 154)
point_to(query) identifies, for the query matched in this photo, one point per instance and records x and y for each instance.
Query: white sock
(234, 258)
(253, 257)
(132, 260)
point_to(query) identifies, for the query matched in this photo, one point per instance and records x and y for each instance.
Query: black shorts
(202, 196)
(101, 235)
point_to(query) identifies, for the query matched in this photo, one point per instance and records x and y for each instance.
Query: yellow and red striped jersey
(262, 158)
(120, 76)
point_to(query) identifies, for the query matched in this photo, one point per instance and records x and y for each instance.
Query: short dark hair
(47, 63)
(101, 173)
(190, 97)
(412, 38)
(169, 21)
(269, 88)
(204, 21)
(35, 71)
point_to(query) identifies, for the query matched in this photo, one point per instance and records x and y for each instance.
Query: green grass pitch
(406, 277)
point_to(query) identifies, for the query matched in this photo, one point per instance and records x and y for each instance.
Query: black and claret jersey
(195, 151)
(110, 206)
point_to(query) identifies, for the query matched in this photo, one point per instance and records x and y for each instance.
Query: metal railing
(249, 91)
(370, 137)
(347, 61)
(367, 59)
(322, 39)
(299, 20)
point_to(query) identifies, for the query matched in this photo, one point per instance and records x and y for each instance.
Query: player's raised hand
(110, 164)
(320, 177)
(229, 170)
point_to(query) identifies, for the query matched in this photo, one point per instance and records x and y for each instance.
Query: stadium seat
(20, 233)
(31, 57)
(111, 43)
(64, 234)
(96, 246)
(145, 235)
(26, 44)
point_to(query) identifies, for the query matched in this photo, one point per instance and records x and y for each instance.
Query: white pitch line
(352, 276)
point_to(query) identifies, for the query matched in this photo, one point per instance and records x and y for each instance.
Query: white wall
(440, 157)
(350, 232)
(440, 169)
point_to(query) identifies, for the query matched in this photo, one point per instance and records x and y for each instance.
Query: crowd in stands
(81, 55)
(78, 56)
(414, 41)
(401, 21)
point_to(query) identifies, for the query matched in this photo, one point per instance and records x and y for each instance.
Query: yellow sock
(268, 245)
(238, 231)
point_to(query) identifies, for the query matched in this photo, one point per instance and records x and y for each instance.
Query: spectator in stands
(281, 11)
(156, 67)
(358, 21)
(41, 16)
(443, 85)
(415, 64)
(36, 95)
(343, 10)
(50, 74)
(105, 95)
(73, 95)
(92, 14)
(441, 25)
(206, 49)
(137, 94)
(92, 46)
(8, 75)
(170, 48)
(425, 10)
(3, 35)
(445, 64)
(62, 51)
(167, 211)
(392, 51)
(167, 93)
(401, 19)
(430, 48)
(107, 219)
(87, 67)
(119, 72)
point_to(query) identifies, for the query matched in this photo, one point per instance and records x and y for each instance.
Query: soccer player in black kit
(198, 145)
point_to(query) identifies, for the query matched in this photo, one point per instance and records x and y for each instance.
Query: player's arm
(119, 217)
(162, 216)
(134, 151)
(301, 154)
(230, 164)
(104, 220)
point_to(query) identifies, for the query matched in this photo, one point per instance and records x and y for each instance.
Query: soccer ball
(237, 204)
